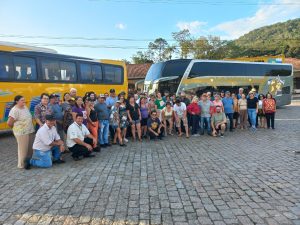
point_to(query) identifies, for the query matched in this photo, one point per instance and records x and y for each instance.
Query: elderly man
(46, 141)
(73, 93)
(79, 139)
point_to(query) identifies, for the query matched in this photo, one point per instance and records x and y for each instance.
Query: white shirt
(180, 109)
(44, 137)
(76, 131)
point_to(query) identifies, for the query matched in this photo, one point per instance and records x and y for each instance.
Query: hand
(158, 131)
(89, 147)
(156, 134)
(256, 110)
(94, 141)
(62, 148)
(93, 124)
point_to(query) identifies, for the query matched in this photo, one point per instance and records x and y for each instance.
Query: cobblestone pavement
(244, 178)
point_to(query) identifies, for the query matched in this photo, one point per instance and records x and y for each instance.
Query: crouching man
(218, 122)
(79, 139)
(155, 127)
(47, 144)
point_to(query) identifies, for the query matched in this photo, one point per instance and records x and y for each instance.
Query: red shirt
(269, 105)
(193, 108)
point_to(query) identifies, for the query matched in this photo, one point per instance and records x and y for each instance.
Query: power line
(122, 39)
(196, 2)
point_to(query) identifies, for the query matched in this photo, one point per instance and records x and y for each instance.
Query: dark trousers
(270, 117)
(112, 132)
(152, 136)
(79, 150)
(230, 117)
(195, 123)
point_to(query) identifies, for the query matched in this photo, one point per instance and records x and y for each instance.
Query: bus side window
(6, 71)
(25, 68)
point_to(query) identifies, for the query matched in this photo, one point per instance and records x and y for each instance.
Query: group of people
(83, 125)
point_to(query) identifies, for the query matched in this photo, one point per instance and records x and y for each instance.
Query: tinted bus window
(25, 68)
(90, 73)
(200, 69)
(112, 74)
(54, 70)
(175, 68)
(6, 68)
(155, 71)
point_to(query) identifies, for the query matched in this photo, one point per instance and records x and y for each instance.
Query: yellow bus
(30, 71)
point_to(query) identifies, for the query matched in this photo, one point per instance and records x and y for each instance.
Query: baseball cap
(53, 96)
(50, 117)
(101, 96)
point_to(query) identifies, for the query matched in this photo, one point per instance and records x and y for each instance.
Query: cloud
(121, 26)
(194, 26)
(276, 11)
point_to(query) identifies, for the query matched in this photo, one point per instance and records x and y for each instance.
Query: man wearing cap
(228, 108)
(218, 122)
(103, 118)
(47, 142)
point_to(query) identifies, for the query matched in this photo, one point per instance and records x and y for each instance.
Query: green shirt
(218, 117)
(160, 104)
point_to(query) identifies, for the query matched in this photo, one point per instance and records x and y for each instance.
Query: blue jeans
(103, 132)
(43, 158)
(252, 116)
(230, 117)
(206, 121)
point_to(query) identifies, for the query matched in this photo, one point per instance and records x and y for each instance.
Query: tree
(159, 49)
(141, 57)
(126, 61)
(185, 42)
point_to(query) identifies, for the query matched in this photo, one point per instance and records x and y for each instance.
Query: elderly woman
(20, 120)
(269, 107)
(41, 110)
(194, 111)
(252, 107)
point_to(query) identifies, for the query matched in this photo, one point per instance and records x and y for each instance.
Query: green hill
(279, 38)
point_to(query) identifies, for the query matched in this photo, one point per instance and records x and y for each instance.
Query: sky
(117, 29)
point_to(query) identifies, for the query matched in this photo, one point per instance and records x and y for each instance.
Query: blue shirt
(56, 111)
(110, 101)
(228, 104)
(102, 111)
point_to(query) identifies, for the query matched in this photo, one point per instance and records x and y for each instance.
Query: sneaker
(126, 140)
(97, 149)
(89, 156)
(59, 161)
(222, 135)
(103, 146)
(76, 158)
(123, 145)
(108, 145)
(196, 135)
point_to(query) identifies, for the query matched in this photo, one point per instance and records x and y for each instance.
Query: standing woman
(167, 115)
(261, 113)
(20, 120)
(218, 102)
(252, 107)
(151, 103)
(194, 111)
(269, 108)
(115, 123)
(134, 116)
(235, 110)
(123, 118)
(79, 108)
(242, 105)
(144, 108)
(40, 111)
(160, 104)
(92, 121)
(67, 112)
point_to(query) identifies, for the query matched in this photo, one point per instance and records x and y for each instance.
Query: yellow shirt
(23, 121)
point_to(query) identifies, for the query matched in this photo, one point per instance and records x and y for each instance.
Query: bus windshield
(167, 69)
(154, 72)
